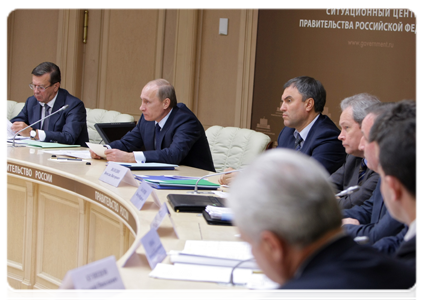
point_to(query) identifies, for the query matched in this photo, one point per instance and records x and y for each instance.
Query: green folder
(49, 145)
(188, 183)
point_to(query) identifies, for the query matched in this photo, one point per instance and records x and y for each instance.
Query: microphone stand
(210, 175)
(62, 108)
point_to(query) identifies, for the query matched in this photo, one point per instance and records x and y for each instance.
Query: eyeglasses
(39, 87)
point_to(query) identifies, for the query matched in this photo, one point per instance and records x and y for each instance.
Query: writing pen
(348, 191)
(70, 159)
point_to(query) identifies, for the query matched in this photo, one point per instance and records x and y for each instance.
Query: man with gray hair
(354, 171)
(284, 207)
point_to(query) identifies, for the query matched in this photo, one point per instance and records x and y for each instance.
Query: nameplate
(101, 274)
(141, 195)
(161, 214)
(153, 247)
(158, 219)
(115, 174)
(156, 198)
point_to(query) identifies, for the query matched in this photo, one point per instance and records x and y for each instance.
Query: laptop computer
(110, 132)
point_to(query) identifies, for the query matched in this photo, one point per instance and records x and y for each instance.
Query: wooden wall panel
(104, 235)
(128, 58)
(58, 224)
(28, 46)
(218, 68)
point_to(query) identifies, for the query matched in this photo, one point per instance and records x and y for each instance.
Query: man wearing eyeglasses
(66, 127)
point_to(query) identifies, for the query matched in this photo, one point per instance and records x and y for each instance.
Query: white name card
(115, 174)
(101, 274)
(141, 195)
(158, 219)
(153, 247)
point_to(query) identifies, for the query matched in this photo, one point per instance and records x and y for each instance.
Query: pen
(348, 191)
(70, 159)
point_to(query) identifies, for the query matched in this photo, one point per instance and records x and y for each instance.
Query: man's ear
(166, 103)
(273, 246)
(309, 104)
(395, 186)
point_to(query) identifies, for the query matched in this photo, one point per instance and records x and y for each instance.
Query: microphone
(210, 175)
(62, 108)
(348, 191)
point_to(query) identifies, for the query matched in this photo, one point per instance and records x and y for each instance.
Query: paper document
(222, 249)
(10, 132)
(148, 166)
(97, 149)
(219, 213)
(85, 154)
(200, 273)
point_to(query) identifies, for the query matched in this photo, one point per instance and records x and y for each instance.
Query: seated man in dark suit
(306, 129)
(284, 206)
(167, 132)
(68, 126)
(354, 171)
(371, 219)
(395, 135)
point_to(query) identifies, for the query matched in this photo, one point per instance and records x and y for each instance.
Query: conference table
(60, 216)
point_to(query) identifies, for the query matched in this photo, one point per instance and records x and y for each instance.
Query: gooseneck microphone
(210, 175)
(348, 191)
(62, 108)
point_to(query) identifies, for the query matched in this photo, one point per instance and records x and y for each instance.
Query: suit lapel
(166, 128)
(37, 114)
(310, 134)
(60, 101)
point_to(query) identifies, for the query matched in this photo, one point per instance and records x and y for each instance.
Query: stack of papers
(214, 261)
(219, 213)
(39, 144)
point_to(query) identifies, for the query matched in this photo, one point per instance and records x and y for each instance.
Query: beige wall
(127, 48)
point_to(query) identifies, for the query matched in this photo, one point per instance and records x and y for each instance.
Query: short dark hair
(400, 154)
(165, 90)
(48, 67)
(390, 115)
(309, 88)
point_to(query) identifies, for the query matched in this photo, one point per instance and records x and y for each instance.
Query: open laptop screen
(110, 132)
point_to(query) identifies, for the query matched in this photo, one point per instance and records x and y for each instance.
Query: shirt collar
(51, 102)
(411, 231)
(163, 121)
(306, 129)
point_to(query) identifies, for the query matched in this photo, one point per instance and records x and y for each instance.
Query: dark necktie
(298, 141)
(46, 121)
(156, 137)
(361, 172)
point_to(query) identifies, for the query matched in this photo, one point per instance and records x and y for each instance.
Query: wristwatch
(33, 134)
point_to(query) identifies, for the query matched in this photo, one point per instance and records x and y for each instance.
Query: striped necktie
(46, 121)
(361, 172)
(298, 140)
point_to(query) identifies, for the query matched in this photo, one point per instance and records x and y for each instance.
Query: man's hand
(120, 156)
(350, 221)
(19, 126)
(226, 179)
(93, 155)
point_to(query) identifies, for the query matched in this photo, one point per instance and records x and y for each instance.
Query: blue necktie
(361, 172)
(157, 136)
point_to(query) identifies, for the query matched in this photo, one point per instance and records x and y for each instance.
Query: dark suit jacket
(390, 244)
(407, 252)
(67, 127)
(347, 176)
(322, 143)
(375, 220)
(182, 140)
(343, 264)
